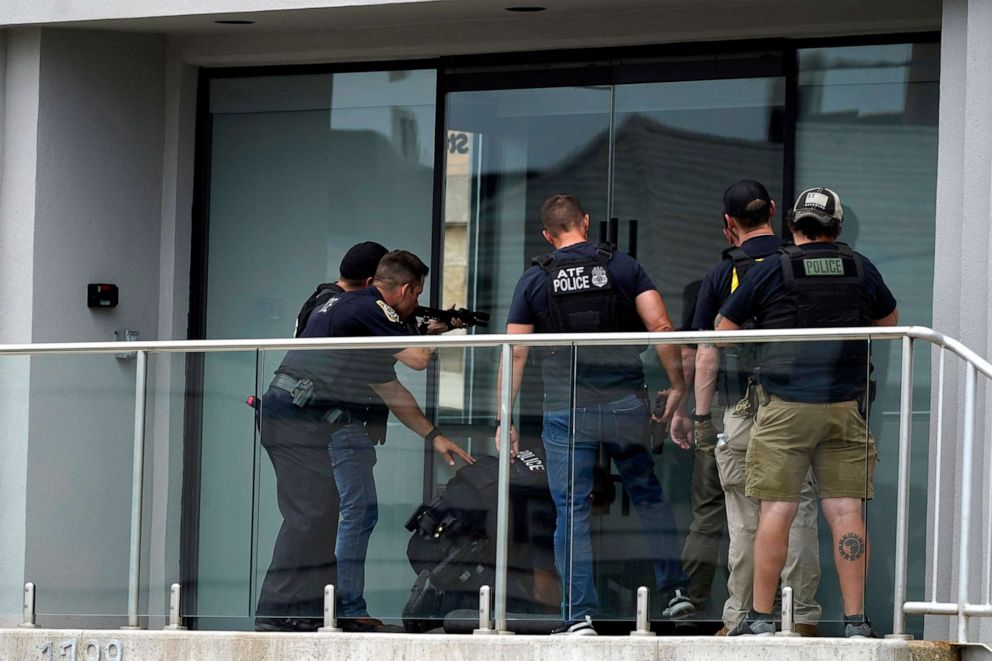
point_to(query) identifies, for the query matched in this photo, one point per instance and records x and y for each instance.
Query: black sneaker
(296, 624)
(858, 626)
(575, 628)
(677, 604)
(753, 624)
(366, 624)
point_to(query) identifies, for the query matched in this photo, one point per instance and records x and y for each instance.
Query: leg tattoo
(851, 547)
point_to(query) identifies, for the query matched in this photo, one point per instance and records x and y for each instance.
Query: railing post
(485, 617)
(967, 458)
(29, 609)
(503, 488)
(330, 612)
(902, 492)
(788, 628)
(175, 620)
(643, 627)
(137, 487)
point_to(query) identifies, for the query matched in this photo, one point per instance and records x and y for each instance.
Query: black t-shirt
(530, 299)
(342, 376)
(817, 377)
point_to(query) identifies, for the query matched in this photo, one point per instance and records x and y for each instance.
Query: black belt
(302, 393)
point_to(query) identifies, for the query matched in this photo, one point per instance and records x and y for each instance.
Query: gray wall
(98, 218)
(963, 284)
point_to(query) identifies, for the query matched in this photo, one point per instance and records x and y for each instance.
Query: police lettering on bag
(580, 278)
(823, 266)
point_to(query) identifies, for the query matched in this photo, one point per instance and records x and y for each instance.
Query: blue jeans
(352, 459)
(621, 427)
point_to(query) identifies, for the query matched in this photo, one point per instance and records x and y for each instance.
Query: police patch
(599, 277)
(388, 311)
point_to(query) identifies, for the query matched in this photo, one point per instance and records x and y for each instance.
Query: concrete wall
(963, 283)
(19, 81)
(98, 218)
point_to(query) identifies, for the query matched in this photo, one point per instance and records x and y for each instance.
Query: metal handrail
(908, 334)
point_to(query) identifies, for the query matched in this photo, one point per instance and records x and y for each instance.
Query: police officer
(350, 389)
(295, 438)
(809, 408)
(748, 211)
(583, 288)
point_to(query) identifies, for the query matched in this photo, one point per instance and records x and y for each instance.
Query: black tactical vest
(823, 288)
(582, 298)
(323, 293)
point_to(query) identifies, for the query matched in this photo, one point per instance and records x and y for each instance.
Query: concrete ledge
(29, 645)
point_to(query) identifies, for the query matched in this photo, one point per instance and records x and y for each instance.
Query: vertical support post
(788, 628)
(29, 610)
(485, 617)
(935, 564)
(330, 612)
(137, 487)
(967, 461)
(503, 488)
(902, 491)
(643, 613)
(175, 620)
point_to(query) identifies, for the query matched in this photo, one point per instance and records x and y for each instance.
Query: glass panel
(15, 399)
(77, 486)
(876, 107)
(303, 167)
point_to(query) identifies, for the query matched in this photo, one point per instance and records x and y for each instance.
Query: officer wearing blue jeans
(579, 288)
(349, 388)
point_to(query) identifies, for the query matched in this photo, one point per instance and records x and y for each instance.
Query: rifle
(465, 316)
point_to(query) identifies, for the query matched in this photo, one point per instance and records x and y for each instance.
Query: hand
(704, 434)
(514, 441)
(445, 447)
(681, 429)
(436, 327)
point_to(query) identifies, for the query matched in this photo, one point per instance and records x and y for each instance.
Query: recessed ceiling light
(526, 8)
(234, 21)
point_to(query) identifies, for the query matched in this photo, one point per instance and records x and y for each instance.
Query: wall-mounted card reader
(101, 295)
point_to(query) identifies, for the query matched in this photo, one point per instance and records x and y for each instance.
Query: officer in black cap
(295, 438)
(810, 413)
(718, 471)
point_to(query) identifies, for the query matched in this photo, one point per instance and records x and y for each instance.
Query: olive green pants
(802, 565)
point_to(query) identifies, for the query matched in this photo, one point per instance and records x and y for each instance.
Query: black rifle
(465, 316)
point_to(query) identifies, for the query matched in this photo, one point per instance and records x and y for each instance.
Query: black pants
(303, 558)
(709, 520)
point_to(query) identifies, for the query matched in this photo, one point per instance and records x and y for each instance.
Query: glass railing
(254, 503)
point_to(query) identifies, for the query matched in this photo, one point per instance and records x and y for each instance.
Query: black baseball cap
(820, 203)
(361, 260)
(744, 194)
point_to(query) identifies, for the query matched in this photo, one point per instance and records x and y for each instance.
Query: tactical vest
(323, 293)
(823, 288)
(582, 298)
(737, 361)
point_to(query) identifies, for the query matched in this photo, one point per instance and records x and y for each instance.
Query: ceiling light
(526, 8)
(234, 21)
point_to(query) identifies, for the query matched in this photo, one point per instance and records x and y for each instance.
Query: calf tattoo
(851, 547)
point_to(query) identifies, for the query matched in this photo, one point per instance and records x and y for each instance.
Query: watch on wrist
(705, 417)
(432, 434)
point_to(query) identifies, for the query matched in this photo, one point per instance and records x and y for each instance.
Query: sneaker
(287, 624)
(858, 626)
(366, 625)
(575, 628)
(677, 604)
(754, 624)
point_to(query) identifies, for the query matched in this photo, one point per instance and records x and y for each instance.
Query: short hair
(398, 268)
(811, 227)
(561, 213)
(756, 214)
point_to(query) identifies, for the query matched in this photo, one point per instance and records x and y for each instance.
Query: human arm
(405, 408)
(890, 319)
(651, 310)
(517, 373)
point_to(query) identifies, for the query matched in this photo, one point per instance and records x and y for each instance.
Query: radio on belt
(101, 295)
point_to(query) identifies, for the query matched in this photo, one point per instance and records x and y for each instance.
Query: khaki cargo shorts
(789, 437)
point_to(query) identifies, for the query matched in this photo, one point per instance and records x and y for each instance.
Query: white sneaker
(575, 628)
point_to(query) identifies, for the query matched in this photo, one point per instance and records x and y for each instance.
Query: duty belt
(302, 393)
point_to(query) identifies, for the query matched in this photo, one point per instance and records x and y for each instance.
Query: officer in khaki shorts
(747, 225)
(809, 405)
